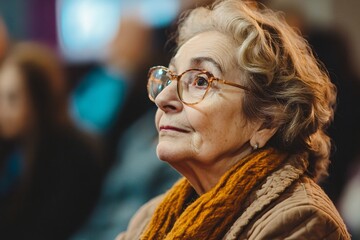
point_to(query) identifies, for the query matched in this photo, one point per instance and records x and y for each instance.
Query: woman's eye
(201, 81)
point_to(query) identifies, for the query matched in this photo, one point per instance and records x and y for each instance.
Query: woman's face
(14, 103)
(214, 129)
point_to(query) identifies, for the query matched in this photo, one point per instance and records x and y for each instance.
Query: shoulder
(302, 212)
(140, 220)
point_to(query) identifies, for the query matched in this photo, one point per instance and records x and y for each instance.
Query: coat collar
(268, 192)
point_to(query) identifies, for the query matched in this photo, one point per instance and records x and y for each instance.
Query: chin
(169, 152)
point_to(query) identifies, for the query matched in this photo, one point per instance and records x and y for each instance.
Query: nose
(168, 99)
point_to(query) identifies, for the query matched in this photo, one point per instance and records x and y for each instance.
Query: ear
(262, 136)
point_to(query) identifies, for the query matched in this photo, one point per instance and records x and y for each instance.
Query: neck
(204, 177)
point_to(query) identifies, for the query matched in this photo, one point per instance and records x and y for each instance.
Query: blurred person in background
(132, 138)
(50, 172)
(333, 50)
(99, 99)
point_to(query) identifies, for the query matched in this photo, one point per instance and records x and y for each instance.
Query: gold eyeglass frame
(176, 77)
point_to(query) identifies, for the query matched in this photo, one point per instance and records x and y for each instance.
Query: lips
(172, 128)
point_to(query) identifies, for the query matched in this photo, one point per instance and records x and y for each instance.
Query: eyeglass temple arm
(233, 84)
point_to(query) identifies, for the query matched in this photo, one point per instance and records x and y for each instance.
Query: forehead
(210, 45)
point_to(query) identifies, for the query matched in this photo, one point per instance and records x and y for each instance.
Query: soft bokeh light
(158, 13)
(85, 27)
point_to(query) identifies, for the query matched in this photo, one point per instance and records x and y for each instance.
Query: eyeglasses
(192, 85)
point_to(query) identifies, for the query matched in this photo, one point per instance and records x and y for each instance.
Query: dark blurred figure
(333, 51)
(343, 183)
(50, 172)
(105, 101)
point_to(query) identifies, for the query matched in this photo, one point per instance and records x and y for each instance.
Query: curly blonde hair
(290, 89)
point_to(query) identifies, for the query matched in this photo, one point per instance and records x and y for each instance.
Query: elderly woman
(242, 113)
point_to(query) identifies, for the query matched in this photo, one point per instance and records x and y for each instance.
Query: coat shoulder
(302, 212)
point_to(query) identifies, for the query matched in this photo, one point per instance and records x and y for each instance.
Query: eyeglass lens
(191, 88)
(158, 79)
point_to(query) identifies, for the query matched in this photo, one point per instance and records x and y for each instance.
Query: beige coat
(287, 206)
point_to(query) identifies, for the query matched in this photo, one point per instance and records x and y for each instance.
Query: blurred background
(80, 29)
(105, 48)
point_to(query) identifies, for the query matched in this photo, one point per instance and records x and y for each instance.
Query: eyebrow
(199, 60)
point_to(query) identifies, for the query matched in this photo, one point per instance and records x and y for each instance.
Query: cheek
(206, 140)
(205, 133)
(219, 130)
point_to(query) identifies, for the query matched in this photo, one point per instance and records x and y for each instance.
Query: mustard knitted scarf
(212, 214)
